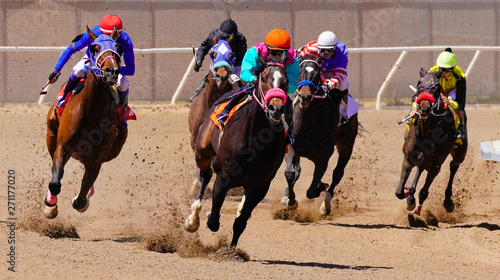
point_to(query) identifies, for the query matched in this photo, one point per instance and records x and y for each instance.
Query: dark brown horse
(316, 133)
(428, 142)
(218, 82)
(248, 152)
(88, 128)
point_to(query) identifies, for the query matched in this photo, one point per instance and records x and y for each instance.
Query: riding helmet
(327, 40)
(446, 60)
(227, 28)
(108, 22)
(278, 39)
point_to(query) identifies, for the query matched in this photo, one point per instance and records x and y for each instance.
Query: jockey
(228, 31)
(83, 40)
(453, 84)
(277, 43)
(333, 65)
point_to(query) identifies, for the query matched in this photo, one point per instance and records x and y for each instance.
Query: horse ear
(113, 34)
(320, 58)
(213, 55)
(422, 72)
(215, 40)
(91, 34)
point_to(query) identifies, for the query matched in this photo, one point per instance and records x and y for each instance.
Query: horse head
(105, 56)
(272, 88)
(309, 82)
(428, 99)
(222, 61)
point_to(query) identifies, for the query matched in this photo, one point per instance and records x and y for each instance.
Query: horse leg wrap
(51, 199)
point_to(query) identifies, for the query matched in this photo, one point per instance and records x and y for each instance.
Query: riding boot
(461, 125)
(289, 120)
(70, 85)
(123, 101)
(199, 88)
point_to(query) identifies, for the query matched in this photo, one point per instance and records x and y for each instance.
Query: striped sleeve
(310, 51)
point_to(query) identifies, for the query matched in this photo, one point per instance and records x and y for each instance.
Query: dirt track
(143, 194)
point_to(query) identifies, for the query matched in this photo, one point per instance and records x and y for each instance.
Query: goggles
(328, 51)
(276, 52)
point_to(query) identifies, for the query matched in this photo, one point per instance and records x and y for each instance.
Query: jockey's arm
(204, 48)
(128, 57)
(81, 43)
(240, 49)
(292, 73)
(461, 87)
(248, 65)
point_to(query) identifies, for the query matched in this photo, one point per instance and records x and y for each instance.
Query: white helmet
(327, 40)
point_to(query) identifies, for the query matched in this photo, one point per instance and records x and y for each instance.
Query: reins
(259, 97)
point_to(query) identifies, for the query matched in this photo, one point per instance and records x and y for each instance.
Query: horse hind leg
(448, 203)
(192, 223)
(81, 202)
(338, 173)
(292, 174)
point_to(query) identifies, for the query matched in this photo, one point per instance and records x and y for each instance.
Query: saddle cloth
(221, 107)
(123, 116)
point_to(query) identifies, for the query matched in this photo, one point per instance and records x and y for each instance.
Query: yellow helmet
(446, 60)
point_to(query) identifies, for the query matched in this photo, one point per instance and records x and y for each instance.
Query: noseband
(260, 97)
(318, 91)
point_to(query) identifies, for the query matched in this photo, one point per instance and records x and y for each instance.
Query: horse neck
(95, 95)
(213, 92)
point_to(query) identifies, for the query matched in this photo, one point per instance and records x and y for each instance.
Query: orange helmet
(277, 39)
(108, 22)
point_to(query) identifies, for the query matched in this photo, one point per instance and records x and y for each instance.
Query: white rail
(404, 51)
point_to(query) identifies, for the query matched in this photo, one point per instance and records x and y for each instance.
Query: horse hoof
(50, 212)
(284, 200)
(449, 206)
(80, 209)
(410, 207)
(293, 206)
(192, 225)
(324, 210)
(213, 226)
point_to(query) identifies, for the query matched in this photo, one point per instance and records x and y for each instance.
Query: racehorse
(218, 83)
(88, 128)
(248, 152)
(316, 132)
(428, 142)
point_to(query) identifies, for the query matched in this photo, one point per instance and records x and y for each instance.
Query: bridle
(317, 91)
(258, 93)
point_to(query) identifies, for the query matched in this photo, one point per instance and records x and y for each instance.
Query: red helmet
(108, 22)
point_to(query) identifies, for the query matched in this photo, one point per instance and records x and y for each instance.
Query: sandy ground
(143, 196)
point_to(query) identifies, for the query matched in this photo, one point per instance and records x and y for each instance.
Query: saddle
(220, 107)
(124, 115)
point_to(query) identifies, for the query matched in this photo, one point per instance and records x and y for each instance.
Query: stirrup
(222, 120)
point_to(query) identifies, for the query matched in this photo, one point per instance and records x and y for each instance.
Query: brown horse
(428, 142)
(317, 132)
(88, 128)
(217, 83)
(248, 152)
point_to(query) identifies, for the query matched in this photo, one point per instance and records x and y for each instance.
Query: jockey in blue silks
(79, 70)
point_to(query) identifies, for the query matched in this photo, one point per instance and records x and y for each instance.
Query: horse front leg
(424, 192)
(410, 193)
(81, 202)
(192, 223)
(59, 159)
(253, 197)
(292, 174)
(317, 186)
(448, 204)
(401, 191)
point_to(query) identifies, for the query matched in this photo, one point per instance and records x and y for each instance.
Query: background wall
(186, 23)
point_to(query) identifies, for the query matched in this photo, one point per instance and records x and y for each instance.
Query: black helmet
(227, 28)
